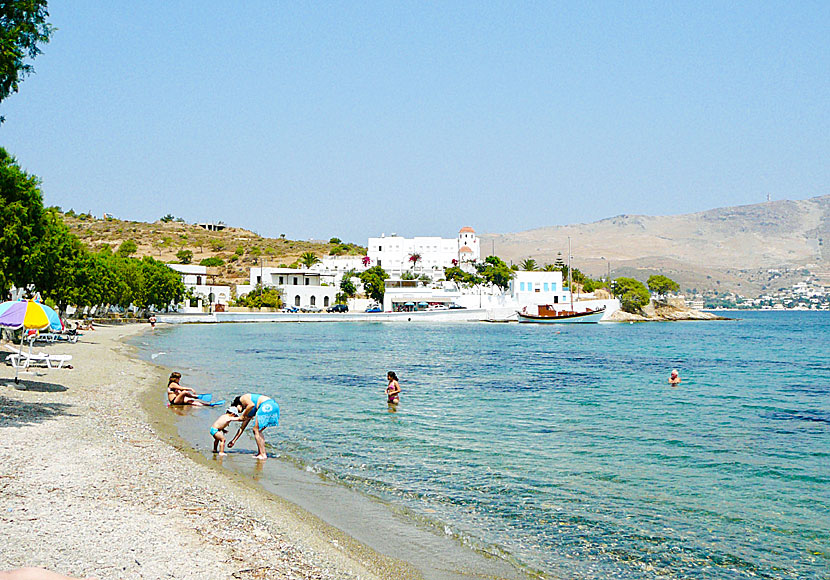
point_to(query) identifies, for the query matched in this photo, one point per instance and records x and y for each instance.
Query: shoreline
(92, 483)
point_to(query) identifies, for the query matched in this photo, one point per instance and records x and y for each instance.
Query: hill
(238, 248)
(726, 249)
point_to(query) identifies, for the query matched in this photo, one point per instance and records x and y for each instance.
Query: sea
(559, 450)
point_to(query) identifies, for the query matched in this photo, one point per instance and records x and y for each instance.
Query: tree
(212, 262)
(127, 249)
(167, 219)
(374, 282)
(496, 272)
(347, 287)
(335, 241)
(632, 293)
(23, 27)
(52, 261)
(308, 259)
(528, 265)
(662, 285)
(21, 221)
(415, 258)
(267, 297)
(184, 256)
(458, 275)
(366, 261)
(162, 285)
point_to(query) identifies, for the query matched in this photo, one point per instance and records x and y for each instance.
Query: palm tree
(528, 265)
(308, 259)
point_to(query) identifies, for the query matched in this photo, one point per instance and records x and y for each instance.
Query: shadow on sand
(15, 413)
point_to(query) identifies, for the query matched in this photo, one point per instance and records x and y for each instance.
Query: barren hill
(729, 249)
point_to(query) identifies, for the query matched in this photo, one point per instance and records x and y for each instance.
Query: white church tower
(469, 249)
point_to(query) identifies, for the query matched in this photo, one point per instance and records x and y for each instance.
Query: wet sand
(94, 482)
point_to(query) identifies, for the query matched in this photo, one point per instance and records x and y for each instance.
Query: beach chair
(52, 361)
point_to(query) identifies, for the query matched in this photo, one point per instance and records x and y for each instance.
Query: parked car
(455, 306)
(374, 308)
(312, 309)
(438, 307)
(338, 308)
(290, 309)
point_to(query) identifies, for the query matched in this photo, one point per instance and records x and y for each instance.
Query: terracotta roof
(465, 250)
(466, 229)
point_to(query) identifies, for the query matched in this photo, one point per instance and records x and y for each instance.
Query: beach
(93, 483)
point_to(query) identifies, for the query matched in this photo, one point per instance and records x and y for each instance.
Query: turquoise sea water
(561, 448)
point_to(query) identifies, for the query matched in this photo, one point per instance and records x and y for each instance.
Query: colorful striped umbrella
(28, 315)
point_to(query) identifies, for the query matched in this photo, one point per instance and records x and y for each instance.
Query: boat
(547, 314)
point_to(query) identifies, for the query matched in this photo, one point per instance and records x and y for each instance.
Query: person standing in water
(394, 389)
(264, 412)
(674, 378)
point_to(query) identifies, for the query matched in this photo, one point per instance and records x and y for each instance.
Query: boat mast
(570, 281)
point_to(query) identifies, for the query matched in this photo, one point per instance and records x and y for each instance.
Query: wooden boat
(547, 314)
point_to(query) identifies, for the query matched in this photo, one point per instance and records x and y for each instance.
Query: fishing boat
(547, 314)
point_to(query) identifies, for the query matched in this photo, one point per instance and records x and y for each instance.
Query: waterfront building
(299, 287)
(538, 287)
(393, 253)
(200, 281)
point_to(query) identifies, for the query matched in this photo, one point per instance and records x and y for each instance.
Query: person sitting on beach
(674, 378)
(264, 412)
(220, 428)
(394, 389)
(179, 395)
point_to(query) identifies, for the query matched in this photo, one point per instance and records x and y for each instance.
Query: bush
(212, 262)
(632, 293)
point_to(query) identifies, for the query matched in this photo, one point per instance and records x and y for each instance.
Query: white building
(300, 288)
(197, 279)
(393, 253)
(538, 287)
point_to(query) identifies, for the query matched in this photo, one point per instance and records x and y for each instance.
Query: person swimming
(393, 391)
(263, 411)
(674, 378)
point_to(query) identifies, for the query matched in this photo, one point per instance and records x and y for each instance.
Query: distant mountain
(729, 249)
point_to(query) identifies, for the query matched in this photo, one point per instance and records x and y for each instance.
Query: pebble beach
(93, 483)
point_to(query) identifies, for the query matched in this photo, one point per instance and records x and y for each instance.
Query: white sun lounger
(52, 361)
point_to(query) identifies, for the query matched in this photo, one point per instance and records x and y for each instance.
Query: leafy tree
(53, 260)
(662, 285)
(347, 287)
(217, 245)
(167, 219)
(632, 293)
(458, 275)
(212, 262)
(21, 220)
(374, 282)
(23, 27)
(184, 256)
(496, 272)
(308, 259)
(259, 297)
(162, 286)
(528, 265)
(335, 241)
(127, 248)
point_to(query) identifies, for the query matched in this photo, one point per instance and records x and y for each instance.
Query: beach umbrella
(26, 315)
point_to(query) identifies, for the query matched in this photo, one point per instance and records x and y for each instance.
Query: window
(296, 300)
(326, 301)
(199, 281)
(314, 301)
(380, 248)
(378, 263)
(521, 286)
(546, 286)
(282, 281)
(553, 286)
(308, 281)
(295, 280)
(258, 280)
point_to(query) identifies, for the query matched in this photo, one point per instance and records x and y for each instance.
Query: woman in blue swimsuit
(264, 412)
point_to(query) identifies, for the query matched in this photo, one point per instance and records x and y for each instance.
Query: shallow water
(561, 448)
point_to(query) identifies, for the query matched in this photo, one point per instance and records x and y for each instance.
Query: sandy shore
(90, 485)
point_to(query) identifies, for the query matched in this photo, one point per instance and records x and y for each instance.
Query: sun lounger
(52, 361)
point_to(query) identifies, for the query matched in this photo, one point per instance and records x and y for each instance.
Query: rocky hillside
(239, 249)
(729, 249)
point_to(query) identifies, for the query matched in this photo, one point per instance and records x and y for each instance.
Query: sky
(341, 119)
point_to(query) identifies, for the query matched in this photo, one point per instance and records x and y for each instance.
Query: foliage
(415, 258)
(408, 276)
(528, 265)
(308, 259)
(662, 285)
(496, 272)
(217, 245)
(335, 241)
(23, 27)
(366, 261)
(259, 297)
(21, 221)
(212, 262)
(127, 248)
(347, 287)
(184, 256)
(167, 219)
(374, 282)
(632, 293)
(239, 251)
(458, 275)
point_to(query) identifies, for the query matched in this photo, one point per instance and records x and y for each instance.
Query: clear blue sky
(351, 119)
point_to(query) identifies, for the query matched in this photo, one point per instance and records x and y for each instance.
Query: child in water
(393, 390)
(220, 427)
